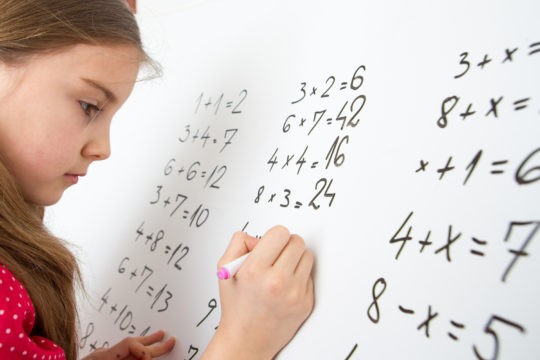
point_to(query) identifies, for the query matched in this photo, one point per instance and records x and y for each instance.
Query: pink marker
(227, 271)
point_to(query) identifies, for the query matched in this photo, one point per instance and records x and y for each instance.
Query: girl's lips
(73, 178)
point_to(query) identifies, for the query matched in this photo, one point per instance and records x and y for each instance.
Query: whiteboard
(400, 139)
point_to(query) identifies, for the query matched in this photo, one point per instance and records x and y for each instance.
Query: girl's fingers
(270, 246)
(305, 266)
(290, 256)
(137, 348)
(237, 247)
(157, 350)
(150, 339)
(150, 346)
(251, 242)
(266, 250)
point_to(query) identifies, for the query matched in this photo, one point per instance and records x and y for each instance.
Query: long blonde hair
(42, 262)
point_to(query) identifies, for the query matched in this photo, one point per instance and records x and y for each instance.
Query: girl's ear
(132, 5)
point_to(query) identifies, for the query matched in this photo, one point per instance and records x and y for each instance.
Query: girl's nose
(98, 146)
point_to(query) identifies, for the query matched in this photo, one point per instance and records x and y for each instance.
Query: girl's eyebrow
(108, 93)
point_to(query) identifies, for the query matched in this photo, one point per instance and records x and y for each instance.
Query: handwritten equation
(519, 235)
(524, 171)
(423, 319)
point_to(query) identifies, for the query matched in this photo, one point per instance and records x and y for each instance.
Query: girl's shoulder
(17, 319)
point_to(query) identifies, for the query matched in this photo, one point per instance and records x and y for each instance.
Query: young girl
(66, 67)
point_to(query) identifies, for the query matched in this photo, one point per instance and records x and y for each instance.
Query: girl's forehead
(114, 67)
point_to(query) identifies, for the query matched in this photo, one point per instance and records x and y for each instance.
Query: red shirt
(17, 318)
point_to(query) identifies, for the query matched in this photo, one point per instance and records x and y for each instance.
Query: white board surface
(400, 139)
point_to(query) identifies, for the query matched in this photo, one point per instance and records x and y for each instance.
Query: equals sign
(132, 331)
(456, 325)
(150, 291)
(498, 163)
(478, 242)
(521, 104)
(535, 47)
(203, 174)
(298, 205)
(343, 85)
(329, 121)
(229, 104)
(314, 165)
(186, 213)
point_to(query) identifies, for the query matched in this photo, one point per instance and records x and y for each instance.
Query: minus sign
(406, 311)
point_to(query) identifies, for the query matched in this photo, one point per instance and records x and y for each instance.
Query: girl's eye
(90, 110)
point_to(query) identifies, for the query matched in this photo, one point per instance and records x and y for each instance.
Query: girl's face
(55, 114)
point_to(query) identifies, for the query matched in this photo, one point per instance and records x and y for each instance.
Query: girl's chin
(44, 200)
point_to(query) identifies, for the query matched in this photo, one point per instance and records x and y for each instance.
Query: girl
(66, 67)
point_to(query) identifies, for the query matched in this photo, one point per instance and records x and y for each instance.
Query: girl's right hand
(268, 299)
